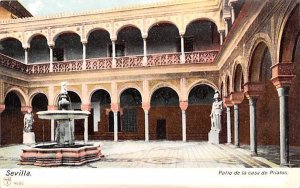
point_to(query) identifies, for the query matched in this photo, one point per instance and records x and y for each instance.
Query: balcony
(199, 57)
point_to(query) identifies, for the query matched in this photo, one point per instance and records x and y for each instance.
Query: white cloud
(35, 7)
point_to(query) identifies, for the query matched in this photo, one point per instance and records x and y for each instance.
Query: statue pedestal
(28, 138)
(214, 137)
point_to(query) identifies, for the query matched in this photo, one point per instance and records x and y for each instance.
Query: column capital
(24, 109)
(227, 102)
(146, 106)
(52, 107)
(254, 89)
(184, 105)
(115, 107)
(237, 97)
(2, 108)
(283, 74)
(84, 42)
(144, 36)
(86, 107)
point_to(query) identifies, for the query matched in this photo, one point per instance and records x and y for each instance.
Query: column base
(237, 146)
(285, 165)
(214, 137)
(28, 138)
(253, 154)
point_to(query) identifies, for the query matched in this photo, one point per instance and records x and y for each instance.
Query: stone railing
(200, 57)
(38, 68)
(106, 63)
(163, 59)
(67, 66)
(98, 63)
(130, 61)
(11, 63)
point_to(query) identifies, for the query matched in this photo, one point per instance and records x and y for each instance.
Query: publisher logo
(7, 181)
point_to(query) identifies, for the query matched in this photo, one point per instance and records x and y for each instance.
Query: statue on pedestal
(28, 121)
(216, 112)
(215, 115)
(28, 136)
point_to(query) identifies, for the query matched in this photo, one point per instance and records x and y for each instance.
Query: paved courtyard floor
(168, 154)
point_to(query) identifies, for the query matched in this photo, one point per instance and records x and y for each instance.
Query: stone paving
(162, 154)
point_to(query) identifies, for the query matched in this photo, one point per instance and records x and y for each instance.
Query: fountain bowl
(63, 114)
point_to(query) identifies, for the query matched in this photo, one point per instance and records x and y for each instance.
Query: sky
(50, 7)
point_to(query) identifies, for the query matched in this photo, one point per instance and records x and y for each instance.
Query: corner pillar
(236, 98)
(282, 77)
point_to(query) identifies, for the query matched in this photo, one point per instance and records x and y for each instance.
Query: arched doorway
(12, 120)
(165, 115)
(67, 47)
(100, 111)
(132, 115)
(41, 127)
(39, 50)
(198, 113)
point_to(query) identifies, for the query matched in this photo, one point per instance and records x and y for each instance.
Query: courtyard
(169, 154)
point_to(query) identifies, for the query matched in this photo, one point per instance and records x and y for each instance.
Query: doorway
(161, 129)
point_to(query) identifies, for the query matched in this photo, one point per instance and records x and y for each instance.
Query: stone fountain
(64, 151)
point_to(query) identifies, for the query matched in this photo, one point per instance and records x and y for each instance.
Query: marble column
(182, 57)
(183, 106)
(83, 55)
(228, 125)
(115, 126)
(236, 125)
(221, 37)
(146, 107)
(253, 135)
(145, 51)
(86, 133)
(232, 13)
(52, 130)
(51, 58)
(114, 62)
(226, 27)
(26, 56)
(283, 93)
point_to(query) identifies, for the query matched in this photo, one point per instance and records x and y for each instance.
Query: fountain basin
(63, 114)
(56, 155)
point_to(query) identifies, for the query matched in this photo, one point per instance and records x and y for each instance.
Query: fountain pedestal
(28, 138)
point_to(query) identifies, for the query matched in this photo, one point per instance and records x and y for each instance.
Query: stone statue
(63, 88)
(28, 121)
(216, 112)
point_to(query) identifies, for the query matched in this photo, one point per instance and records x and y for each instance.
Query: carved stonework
(253, 89)
(227, 102)
(52, 107)
(183, 105)
(146, 106)
(115, 107)
(86, 107)
(283, 74)
(24, 109)
(237, 97)
(2, 108)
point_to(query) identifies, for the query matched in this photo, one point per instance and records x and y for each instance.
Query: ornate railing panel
(67, 66)
(11, 63)
(129, 61)
(163, 59)
(98, 63)
(200, 57)
(38, 68)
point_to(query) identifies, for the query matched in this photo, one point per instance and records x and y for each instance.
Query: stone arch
(87, 35)
(11, 37)
(188, 22)
(34, 93)
(257, 39)
(97, 89)
(20, 93)
(255, 61)
(161, 85)
(128, 86)
(119, 28)
(161, 22)
(238, 77)
(288, 34)
(28, 41)
(63, 32)
(202, 82)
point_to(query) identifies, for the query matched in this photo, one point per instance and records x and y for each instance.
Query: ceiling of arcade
(179, 13)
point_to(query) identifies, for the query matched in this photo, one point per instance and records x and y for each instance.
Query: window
(120, 50)
(129, 123)
(58, 54)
